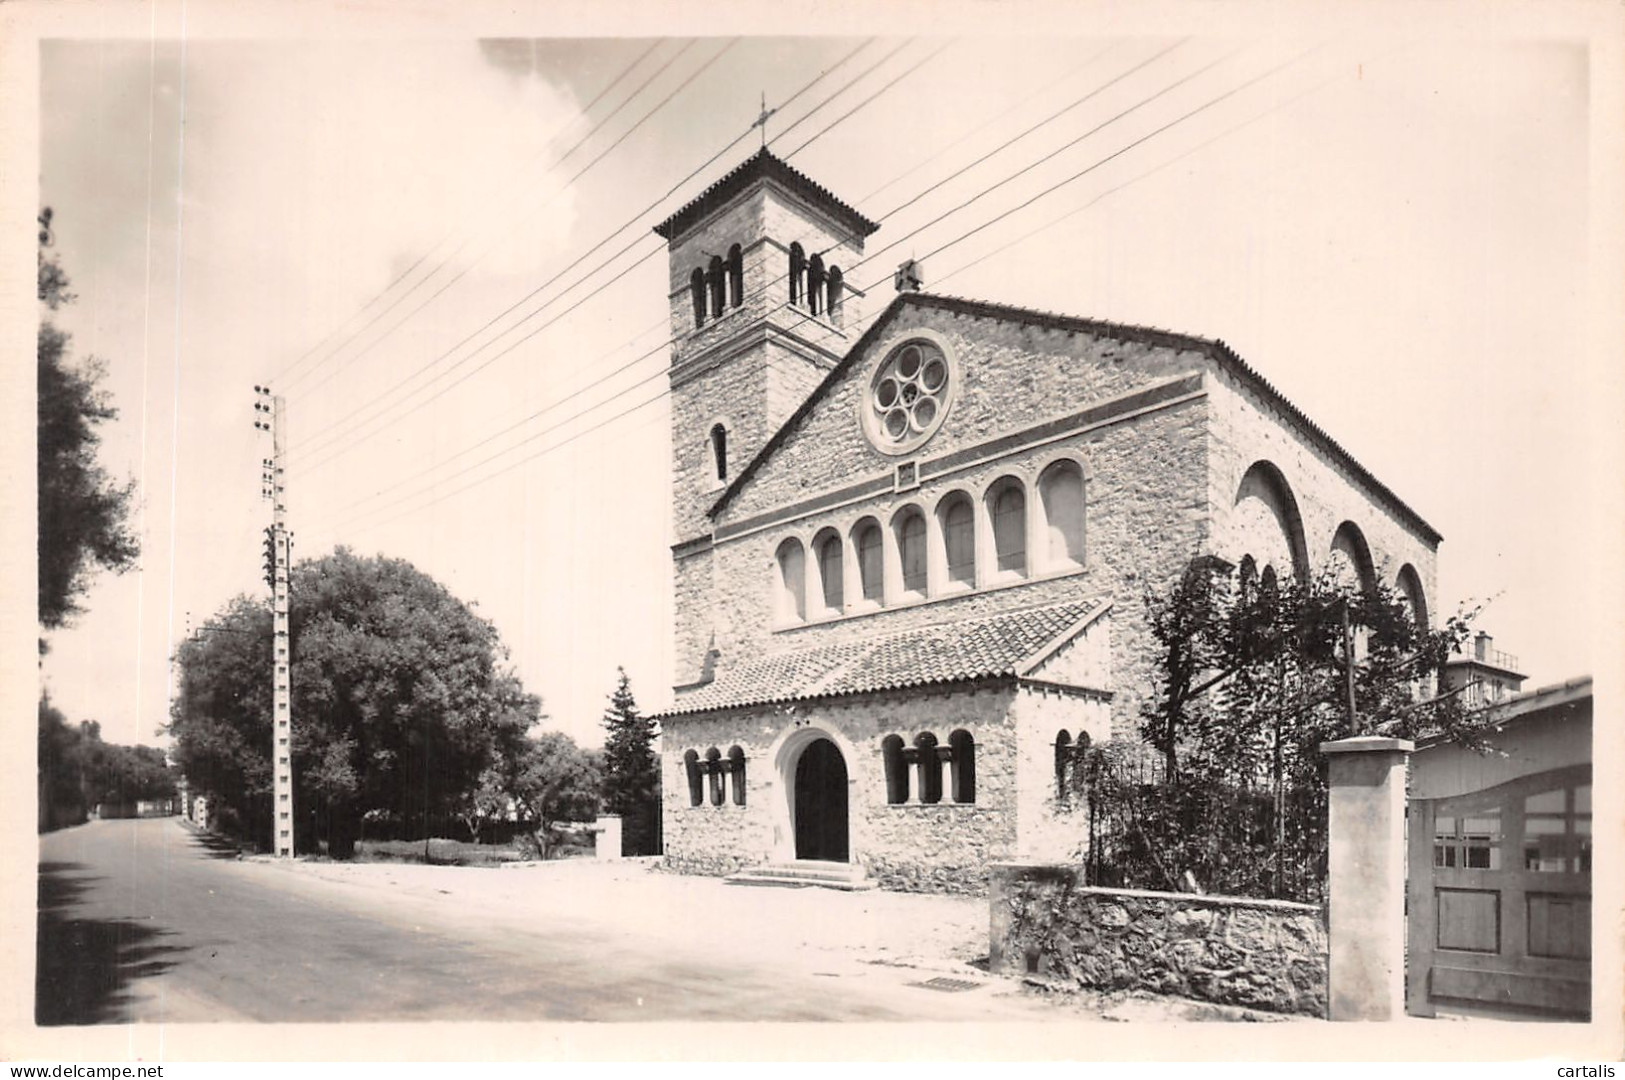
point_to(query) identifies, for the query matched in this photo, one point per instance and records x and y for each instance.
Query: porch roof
(1009, 644)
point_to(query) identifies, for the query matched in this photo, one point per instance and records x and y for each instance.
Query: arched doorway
(820, 803)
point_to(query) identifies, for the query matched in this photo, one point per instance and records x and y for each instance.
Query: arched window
(798, 270)
(1070, 760)
(837, 293)
(1410, 587)
(910, 529)
(719, 450)
(1248, 578)
(736, 276)
(1009, 509)
(714, 277)
(1351, 558)
(891, 754)
(792, 581)
(696, 288)
(691, 766)
(815, 283)
(1060, 492)
(713, 768)
(958, 525)
(828, 550)
(871, 572)
(736, 769)
(963, 749)
(925, 744)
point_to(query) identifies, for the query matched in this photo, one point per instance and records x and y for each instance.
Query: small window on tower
(736, 276)
(798, 269)
(815, 284)
(719, 450)
(716, 279)
(696, 288)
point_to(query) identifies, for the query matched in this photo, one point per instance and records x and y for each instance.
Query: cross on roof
(761, 121)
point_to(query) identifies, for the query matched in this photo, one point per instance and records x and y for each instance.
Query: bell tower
(760, 312)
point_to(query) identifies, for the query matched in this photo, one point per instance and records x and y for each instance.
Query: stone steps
(804, 874)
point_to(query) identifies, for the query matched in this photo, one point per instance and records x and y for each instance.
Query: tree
(400, 703)
(489, 801)
(551, 779)
(83, 515)
(631, 770)
(1252, 668)
(78, 771)
(1253, 675)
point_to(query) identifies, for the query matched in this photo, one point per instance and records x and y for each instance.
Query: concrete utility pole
(278, 541)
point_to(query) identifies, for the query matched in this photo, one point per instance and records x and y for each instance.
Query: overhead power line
(322, 447)
(287, 371)
(854, 267)
(1048, 191)
(1075, 211)
(534, 292)
(926, 59)
(564, 187)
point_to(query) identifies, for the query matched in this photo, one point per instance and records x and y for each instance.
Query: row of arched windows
(924, 761)
(718, 286)
(819, 290)
(715, 776)
(963, 543)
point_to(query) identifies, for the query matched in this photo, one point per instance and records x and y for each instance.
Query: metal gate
(1499, 899)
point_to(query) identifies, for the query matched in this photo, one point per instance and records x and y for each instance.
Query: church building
(910, 563)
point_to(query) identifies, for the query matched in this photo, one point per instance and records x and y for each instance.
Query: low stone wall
(1264, 954)
(706, 865)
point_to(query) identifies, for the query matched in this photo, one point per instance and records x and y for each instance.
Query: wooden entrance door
(1499, 898)
(821, 803)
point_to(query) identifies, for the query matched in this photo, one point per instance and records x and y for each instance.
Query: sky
(438, 249)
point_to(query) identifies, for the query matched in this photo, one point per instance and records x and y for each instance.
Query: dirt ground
(808, 929)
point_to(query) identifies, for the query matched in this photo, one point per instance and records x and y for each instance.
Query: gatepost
(607, 844)
(1366, 877)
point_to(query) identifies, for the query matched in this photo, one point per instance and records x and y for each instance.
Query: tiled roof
(1007, 644)
(760, 164)
(1217, 350)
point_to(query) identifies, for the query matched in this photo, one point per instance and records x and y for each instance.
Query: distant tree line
(83, 520)
(79, 772)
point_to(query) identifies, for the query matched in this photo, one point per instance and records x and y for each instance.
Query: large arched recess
(1264, 482)
(1348, 542)
(1409, 583)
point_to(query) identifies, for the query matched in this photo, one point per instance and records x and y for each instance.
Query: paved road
(143, 921)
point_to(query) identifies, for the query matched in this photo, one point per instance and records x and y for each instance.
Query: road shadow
(217, 847)
(85, 967)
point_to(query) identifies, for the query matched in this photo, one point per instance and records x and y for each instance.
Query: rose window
(908, 396)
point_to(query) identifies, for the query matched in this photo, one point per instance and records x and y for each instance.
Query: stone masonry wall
(944, 847)
(1262, 954)
(1245, 431)
(1014, 375)
(1145, 490)
(1049, 827)
(748, 370)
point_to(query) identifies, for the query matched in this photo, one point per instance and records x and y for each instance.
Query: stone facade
(1145, 507)
(942, 847)
(1262, 954)
(1328, 491)
(1173, 449)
